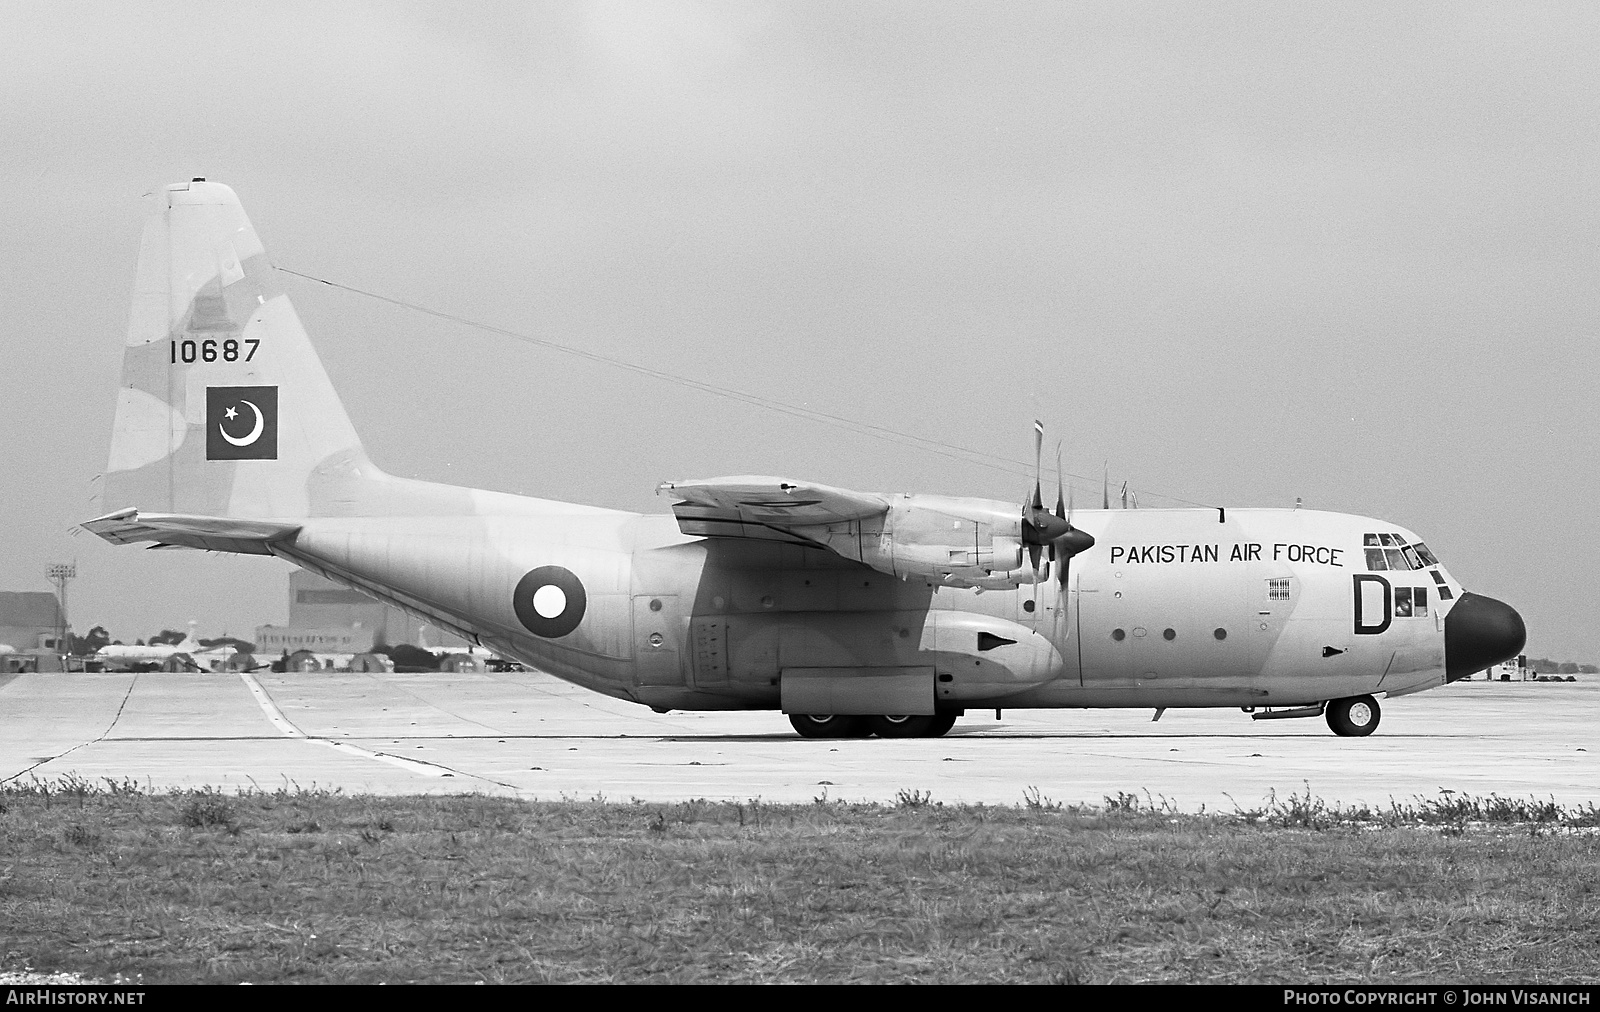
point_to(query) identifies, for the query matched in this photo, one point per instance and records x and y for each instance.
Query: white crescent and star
(255, 433)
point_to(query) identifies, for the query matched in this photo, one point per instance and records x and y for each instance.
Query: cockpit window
(1389, 551)
(1445, 593)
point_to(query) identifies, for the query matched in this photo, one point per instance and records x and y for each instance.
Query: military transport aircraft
(855, 613)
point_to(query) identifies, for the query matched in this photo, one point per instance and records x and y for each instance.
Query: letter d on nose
(1386, 609)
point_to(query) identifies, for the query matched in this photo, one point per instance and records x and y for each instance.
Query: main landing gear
(886, 726)
(1355, 717)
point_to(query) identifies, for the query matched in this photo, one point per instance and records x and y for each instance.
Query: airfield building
(326, 618)
(30, 621)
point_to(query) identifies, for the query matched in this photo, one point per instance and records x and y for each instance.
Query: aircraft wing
(174, 530)
(766, 508)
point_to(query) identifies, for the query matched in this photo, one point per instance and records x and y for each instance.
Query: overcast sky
(1241, 252)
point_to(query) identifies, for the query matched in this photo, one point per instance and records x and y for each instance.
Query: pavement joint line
(417, 766)
(270, 708)
(102, 737)
(290, 730)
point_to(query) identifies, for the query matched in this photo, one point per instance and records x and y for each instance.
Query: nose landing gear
(1355, 717)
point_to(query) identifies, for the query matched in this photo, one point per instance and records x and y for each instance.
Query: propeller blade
(1060, 511)
(1038, 448)
(1036, 529)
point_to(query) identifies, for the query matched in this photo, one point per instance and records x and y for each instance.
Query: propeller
(1071, 541)
(1042, 529)
(1039, 526)
(1036, 522)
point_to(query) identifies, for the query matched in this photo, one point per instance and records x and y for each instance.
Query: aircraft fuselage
(1250, 607)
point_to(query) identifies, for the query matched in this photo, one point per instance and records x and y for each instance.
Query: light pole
(59, 573)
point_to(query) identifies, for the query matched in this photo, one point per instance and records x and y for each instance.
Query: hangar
(30, 621)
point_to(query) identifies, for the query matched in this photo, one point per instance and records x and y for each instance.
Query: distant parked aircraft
(118, 655)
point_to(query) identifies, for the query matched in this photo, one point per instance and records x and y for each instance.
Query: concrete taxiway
(531, 735)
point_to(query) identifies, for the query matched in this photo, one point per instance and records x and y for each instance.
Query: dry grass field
(313, 886)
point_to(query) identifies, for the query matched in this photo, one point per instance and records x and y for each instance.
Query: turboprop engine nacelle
(943, 539)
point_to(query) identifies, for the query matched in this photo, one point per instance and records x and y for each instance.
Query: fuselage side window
(1375, 558)
(1387, 540)
(1419, 602)
(1369, 540)
(1396, 560)
(1402, 602)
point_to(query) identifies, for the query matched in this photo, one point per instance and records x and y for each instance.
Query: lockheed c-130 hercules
(855, 613)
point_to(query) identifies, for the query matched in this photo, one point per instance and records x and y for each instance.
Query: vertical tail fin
(224, 409)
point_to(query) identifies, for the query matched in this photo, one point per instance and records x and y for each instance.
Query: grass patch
(316, 886)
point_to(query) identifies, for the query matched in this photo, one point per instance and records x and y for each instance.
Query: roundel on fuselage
(549, 601)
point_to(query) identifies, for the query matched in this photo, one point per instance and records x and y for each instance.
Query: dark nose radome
(1478, 632)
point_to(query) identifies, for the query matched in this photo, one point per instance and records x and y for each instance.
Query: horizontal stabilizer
(211, 534)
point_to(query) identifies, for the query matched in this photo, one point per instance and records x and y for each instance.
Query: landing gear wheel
(828, 725)
(1355, 717)
(895, 726)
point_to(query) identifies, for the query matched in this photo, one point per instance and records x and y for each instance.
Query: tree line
(1549, 667)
